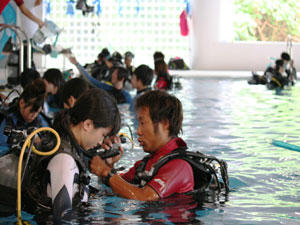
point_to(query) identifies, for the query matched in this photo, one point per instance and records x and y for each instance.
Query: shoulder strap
(139, 171)
(141, 177)
(203, 167)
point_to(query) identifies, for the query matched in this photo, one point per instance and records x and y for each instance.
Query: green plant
(267, 20)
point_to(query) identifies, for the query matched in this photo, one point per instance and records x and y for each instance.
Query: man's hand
(107, 144)
(99, 167)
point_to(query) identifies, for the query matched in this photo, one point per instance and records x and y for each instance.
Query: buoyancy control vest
(209, 172)
(38, 177)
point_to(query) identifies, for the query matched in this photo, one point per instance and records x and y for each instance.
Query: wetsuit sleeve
(127, 96)
(94, 81)
(174, 177)
(131, 107)
(3, 139)
(62, 168)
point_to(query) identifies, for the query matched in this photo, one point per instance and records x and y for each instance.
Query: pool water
(234, 121)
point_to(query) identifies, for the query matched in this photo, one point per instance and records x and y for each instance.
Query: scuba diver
(72, 90)
(292, 73)
(164, 79)
(28, 76)
(270, 71)
(277, 79)
(128, 56)
(289, 69)
(54, 81)
(22, 115)
(60, 181)
(141, 80)
(116, 88)
(168, 169)
(99, 68)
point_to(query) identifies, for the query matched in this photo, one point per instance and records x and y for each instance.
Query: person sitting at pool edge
(116, 89)
(159, 123)
(141, 81)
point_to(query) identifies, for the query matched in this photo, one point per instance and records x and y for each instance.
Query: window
(267, 20)
(142, 27)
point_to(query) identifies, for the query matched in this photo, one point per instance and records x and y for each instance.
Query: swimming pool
(236, 122)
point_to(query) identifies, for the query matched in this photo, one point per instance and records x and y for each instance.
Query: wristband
(109, 175)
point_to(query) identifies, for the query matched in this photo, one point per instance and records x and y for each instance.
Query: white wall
(209, 51)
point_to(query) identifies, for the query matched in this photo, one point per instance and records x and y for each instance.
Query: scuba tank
(9, 170)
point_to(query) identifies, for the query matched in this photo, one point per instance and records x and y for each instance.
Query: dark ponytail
(62, 122)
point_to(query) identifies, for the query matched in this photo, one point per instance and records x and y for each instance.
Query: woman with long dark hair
(94, 116)
(164, 79)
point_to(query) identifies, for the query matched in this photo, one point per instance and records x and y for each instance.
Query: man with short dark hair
(141, 80)
(159, 123)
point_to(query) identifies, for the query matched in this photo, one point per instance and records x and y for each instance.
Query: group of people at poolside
(283, 73)
(103, 68)
(90, 118)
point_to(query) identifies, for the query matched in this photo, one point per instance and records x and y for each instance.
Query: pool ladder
(19, 32)
(289, 45)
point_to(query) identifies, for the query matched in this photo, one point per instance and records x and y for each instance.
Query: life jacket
(118, 95)
(37, 176)
(208, 170)
(164, 82)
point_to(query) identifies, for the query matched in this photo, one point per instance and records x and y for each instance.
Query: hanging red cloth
(184, 28)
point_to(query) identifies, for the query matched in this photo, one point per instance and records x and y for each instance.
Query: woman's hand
(107, 144)
(99, 167)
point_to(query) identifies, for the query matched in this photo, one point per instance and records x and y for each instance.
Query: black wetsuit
(277, 81)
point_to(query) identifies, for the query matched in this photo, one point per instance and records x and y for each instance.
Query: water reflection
(180, 209)
(236, 122)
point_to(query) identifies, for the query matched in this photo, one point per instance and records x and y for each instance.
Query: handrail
(28, 46)
(289, 45)
(17, 29)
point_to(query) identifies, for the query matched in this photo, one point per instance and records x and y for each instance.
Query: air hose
(129, 138)
(27, 143)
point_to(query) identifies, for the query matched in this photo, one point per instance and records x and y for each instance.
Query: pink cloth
(184, 28)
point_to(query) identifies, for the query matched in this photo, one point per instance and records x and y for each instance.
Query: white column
(212, 47)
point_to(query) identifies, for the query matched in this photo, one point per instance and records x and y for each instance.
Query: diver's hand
(107, 144)
(99, 167)
(73, 60)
